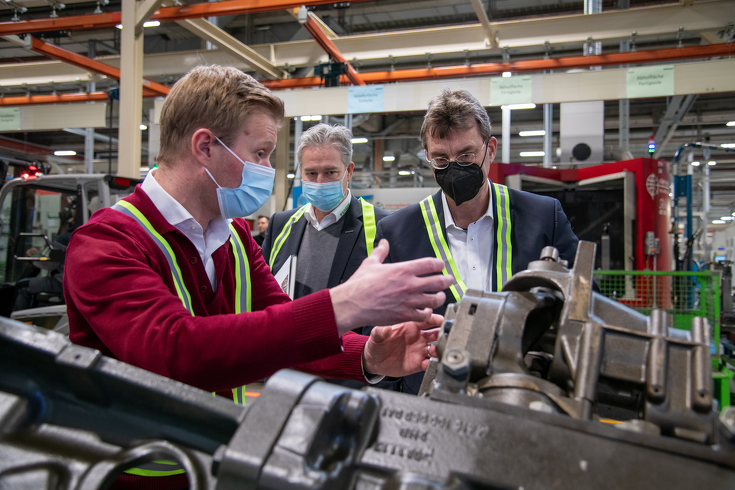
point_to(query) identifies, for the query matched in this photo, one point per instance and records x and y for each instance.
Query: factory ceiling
(398, 37)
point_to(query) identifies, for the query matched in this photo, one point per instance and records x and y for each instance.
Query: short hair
(454, 110)
(263, 216)
(325, 135)
(215, 97)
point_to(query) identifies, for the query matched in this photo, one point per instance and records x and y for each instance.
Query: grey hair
(454, 110)
(325, 135)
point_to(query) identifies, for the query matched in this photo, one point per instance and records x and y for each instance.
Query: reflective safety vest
(503, 247)
(368, 222)
(242, 303)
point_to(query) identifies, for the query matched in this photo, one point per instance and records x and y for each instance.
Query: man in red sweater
(167, 281)
(171, 281)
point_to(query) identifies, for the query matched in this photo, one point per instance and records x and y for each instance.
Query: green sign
(10, 119)
(650, 81)
(511, 90)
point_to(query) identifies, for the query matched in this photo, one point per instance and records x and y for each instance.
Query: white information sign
(9, 118)
(650, 81)
(362, 99)
(512, 90)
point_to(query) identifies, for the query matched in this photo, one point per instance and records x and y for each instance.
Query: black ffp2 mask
(460, 182)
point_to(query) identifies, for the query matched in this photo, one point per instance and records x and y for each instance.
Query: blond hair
(215, 97)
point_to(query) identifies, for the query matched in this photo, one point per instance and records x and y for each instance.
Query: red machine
(627, 201)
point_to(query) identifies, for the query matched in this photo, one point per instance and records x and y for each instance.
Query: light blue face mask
(326, 196)
(255, 188)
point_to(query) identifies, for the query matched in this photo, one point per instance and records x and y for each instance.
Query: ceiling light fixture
(712, 163)
(696, 164)
(539, 132)
(389, 158)
(513, 107)
(65, 153)
(359, 140)
(532, 153)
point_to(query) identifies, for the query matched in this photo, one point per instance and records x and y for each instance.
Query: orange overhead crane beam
(163, 14)
(650, 56)
(327, 45)
(61, 54)
(53, 99)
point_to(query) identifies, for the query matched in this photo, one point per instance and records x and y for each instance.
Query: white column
(131, 93)
(548, 128)
(505, 142)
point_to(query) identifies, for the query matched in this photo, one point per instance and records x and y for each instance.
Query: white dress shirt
(473, 248)
(332, 217)
(205, 241)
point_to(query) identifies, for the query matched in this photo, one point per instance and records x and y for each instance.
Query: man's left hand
(399, 350)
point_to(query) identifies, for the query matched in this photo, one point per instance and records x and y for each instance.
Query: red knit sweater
(121, 299)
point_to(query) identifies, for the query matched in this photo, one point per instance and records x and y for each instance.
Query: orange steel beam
(164, 14)
(328, 46)
(655, 55)
(61, 54)
(61, 98)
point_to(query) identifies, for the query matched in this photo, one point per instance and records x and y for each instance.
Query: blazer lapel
(351, 229)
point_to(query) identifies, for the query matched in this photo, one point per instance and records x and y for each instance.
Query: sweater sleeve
(122, 300)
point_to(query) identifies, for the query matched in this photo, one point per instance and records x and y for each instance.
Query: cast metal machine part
(514, 401)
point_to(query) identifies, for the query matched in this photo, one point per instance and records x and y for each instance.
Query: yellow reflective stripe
(180, 290)
(433, 228)
(242, 269)
(368, 222)
(503, 246)
(147, 469)
(281, 238)
(238, 395)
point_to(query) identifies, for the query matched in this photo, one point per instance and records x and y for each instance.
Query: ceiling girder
(678, 108)
(210, 32)
(491, 37)
(327, 45)
(164, 14)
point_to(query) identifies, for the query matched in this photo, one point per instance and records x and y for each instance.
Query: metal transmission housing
(513, 401)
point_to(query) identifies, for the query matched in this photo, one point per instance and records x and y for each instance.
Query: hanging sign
(10, 119)
(511, 90)
(650, 81)
(361, 99)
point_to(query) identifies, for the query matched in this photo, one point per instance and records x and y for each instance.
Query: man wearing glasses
(484, 232)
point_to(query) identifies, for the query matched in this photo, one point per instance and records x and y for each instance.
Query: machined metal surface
(519, 397)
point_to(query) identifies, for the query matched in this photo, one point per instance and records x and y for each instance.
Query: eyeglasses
(464, 160)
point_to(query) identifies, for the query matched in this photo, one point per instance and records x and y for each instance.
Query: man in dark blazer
(332, 234)
(484, 232)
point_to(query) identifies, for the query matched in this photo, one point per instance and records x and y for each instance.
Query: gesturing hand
(383, 294)
(400, 350)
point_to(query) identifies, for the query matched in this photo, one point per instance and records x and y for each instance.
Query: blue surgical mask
(326, 196)
(255, 188)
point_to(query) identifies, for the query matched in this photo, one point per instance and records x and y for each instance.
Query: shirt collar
(176, 214)
(332, 217)
(449, 220)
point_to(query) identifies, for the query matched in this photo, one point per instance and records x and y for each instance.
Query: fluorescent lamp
(388, 158)
(532, 153)
(143, 127)
(718, 222)
(406, 172)
(696, 164)
(290, 176)
(731, 123)
(728, 145)
(727, 218)
(518, 106)
(359, 140)
(65, 153)
(712, 163)
(151, 23)
(315, 117)
(539, 132)
(507, 74)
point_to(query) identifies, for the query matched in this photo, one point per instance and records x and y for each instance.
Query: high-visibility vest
(368, 223)
(503, 246)
(242, 303)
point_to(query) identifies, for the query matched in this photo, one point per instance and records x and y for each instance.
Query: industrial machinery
(544, 385)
